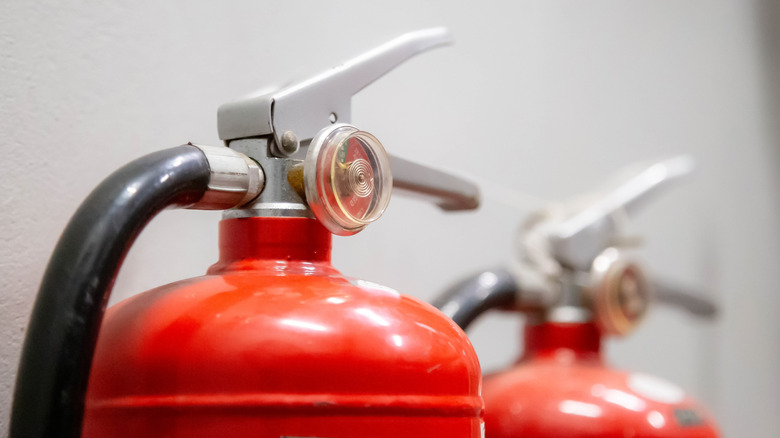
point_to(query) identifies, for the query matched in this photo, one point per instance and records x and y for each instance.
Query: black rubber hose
(466, 300)
(57, 355)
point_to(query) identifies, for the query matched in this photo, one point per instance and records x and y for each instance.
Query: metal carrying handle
(579, 239)
(694, 302)
(449, 192)
(304, 108)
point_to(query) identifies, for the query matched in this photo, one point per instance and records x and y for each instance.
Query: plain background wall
(548, 98)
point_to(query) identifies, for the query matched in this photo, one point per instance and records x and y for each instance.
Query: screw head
(289, 144)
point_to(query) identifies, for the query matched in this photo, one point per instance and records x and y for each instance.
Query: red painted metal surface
(561, 388)
(275, 342)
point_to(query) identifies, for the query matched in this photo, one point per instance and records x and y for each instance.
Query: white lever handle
(578, 240)
(304, 108)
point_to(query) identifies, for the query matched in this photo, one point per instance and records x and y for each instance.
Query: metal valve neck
(279, 198)
(572, 304)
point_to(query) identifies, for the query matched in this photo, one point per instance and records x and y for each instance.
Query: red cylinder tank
(275, 342)
(562, 388)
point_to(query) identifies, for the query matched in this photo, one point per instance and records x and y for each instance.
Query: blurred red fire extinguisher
(273, 341)
(576, 287)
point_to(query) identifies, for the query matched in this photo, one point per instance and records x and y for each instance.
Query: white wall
(544, 97)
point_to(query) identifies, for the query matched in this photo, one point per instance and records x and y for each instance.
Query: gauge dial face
(347, 179)
(352, 178)
(620, 295)
(630, 294)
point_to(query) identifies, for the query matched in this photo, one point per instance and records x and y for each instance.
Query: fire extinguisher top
(573, 268)
(315, 164)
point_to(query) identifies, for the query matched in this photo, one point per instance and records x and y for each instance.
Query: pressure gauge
(620, 293)
(347, 178)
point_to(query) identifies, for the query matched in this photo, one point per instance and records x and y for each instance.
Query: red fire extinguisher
(576, 287)
(273, 341)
